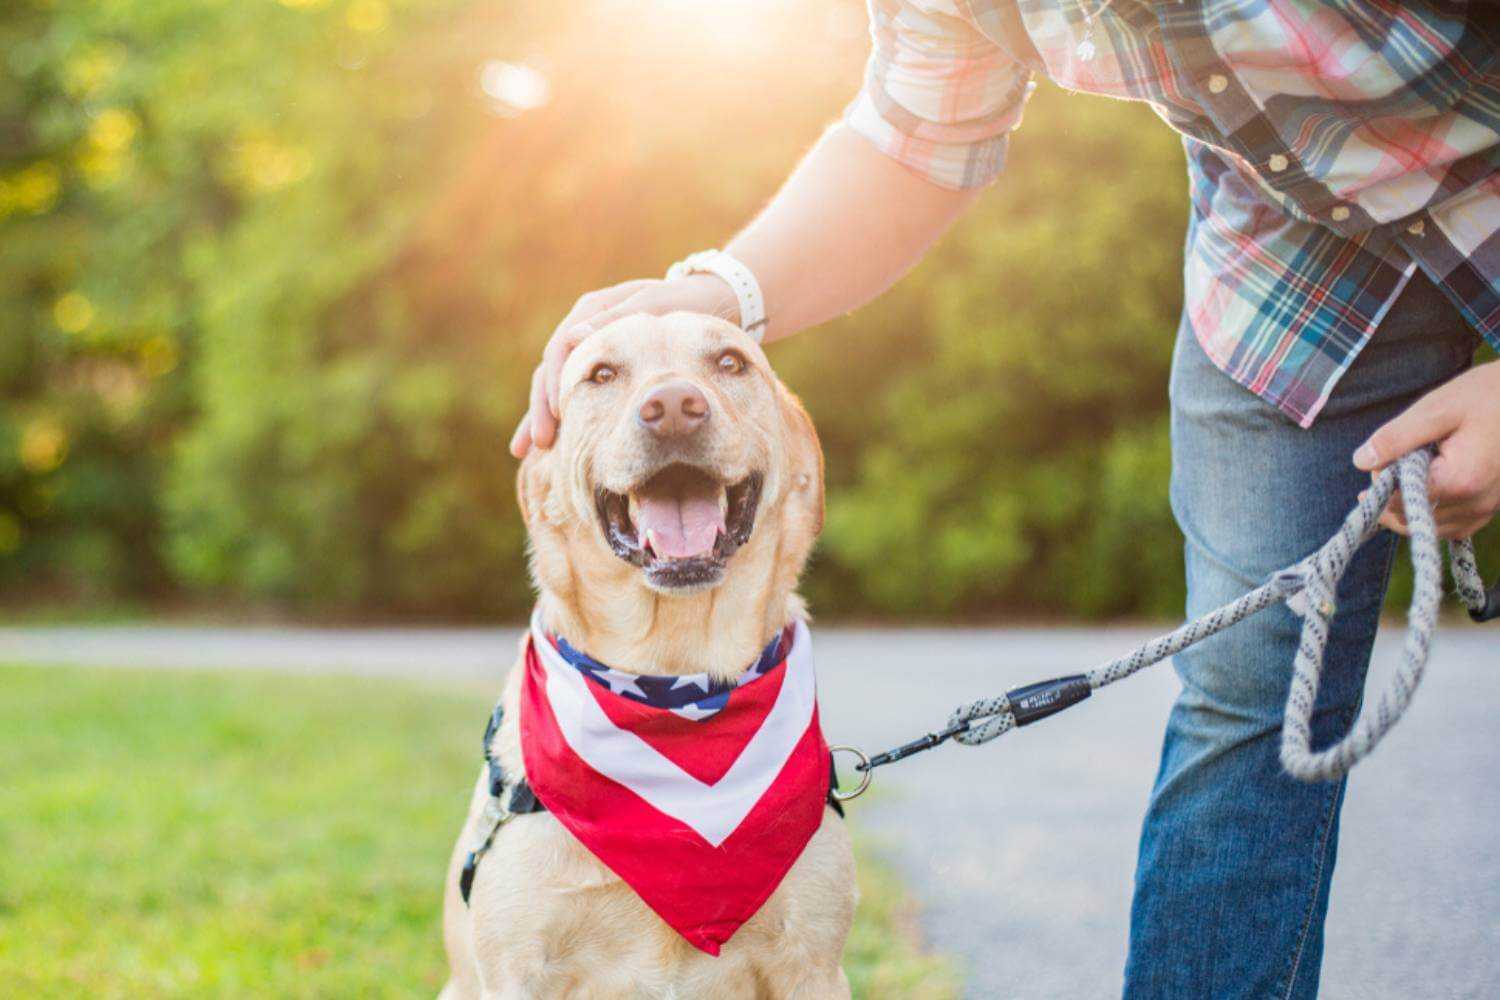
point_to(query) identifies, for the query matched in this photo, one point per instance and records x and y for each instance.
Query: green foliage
(1016, 455)
(274, 274)
(179, 835)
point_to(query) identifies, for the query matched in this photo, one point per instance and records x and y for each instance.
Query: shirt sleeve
(939, 97)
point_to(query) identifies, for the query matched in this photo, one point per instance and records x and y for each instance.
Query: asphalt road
(1022, 852)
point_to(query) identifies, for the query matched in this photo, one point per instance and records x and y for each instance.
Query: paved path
(1022, 852)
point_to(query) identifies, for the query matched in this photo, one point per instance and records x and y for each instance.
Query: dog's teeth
(723, 502)
(651, 540)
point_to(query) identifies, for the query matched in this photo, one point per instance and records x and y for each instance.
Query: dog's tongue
(679, 527)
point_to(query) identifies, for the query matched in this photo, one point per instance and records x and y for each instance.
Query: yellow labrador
(668, 525)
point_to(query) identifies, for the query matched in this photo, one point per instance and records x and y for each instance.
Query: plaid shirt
(1333, 149)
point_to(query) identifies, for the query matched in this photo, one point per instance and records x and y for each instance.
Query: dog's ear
(533, 484)
(805, 453)
(521, 491)
(537, 495)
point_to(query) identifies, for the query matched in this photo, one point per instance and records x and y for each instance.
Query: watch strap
(739, 278)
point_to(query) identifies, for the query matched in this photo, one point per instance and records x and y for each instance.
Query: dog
(668, 526)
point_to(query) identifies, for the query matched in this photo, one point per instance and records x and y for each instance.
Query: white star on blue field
(691, 696)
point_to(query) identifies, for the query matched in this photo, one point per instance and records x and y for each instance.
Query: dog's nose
(673, 409)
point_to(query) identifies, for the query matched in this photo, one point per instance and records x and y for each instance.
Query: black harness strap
(520, 800)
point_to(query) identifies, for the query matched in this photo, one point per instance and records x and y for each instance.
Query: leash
(1308, 587)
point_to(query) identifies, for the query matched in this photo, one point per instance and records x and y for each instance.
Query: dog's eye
(602, 374)
(731, 362)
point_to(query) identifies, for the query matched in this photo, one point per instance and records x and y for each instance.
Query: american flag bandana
(699, 795)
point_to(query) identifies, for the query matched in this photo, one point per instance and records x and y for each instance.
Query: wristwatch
(739, 278)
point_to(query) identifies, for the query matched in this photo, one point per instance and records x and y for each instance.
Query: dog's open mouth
(681, 525)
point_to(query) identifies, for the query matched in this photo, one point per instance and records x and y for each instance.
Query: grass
(238, 835)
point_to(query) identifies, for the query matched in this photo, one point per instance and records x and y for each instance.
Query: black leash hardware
(866, 765)
(915, 746)
(1044, 698)
(1027, 704)
(1491, 609)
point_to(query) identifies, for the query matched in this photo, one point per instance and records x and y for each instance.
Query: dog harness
(699, 794)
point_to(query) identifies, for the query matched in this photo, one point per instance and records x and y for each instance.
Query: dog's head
(681, 465)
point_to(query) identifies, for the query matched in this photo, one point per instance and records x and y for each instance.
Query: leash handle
(1321, 574)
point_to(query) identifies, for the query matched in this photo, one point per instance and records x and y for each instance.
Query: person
(1342, 264)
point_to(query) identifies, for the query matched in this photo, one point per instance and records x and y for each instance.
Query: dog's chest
(549, 913)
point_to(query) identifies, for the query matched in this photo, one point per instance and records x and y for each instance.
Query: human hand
(704, 293)
(1463, 418)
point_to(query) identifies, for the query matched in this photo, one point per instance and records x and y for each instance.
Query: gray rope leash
(1308, 588)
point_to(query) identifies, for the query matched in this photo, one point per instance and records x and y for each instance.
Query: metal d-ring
(864, 768)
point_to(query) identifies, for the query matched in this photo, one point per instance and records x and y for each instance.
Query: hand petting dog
(697, 293)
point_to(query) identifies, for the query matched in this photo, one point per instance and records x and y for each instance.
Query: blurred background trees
(274, 273)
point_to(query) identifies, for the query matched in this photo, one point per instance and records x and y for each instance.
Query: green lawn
(202, 834)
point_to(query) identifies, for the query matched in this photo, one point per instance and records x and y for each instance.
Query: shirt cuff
(958, 165)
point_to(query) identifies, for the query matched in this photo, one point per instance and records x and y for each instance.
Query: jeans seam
(1352, 715)
(1312, 901)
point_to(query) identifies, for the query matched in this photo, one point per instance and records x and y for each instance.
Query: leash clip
(866, 764)
(863, 766)
(915, 746)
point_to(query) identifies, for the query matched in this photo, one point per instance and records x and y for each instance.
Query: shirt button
(1218, 83)
(1339, 214)
(1277, 163)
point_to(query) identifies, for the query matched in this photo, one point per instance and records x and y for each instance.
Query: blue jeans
(1236, 857)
